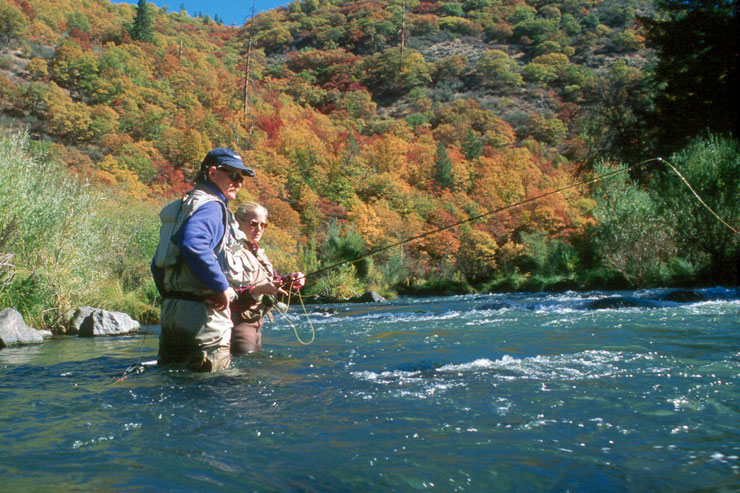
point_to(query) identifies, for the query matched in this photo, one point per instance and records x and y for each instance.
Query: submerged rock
(325, 311)
(684, 296)
(617, 302)
(13, 330)
(499, 305)
(104, 323)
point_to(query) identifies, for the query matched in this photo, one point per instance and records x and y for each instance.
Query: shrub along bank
(65, 243)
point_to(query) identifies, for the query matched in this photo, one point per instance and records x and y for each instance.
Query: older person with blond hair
(255, 281)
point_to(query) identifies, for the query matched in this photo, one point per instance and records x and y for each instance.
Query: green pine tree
(443, 168)
(142, 29)
(473, 146)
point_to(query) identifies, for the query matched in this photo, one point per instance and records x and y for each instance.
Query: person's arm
(294, 280)
(271, 287)
(222, 300)
(200, 237)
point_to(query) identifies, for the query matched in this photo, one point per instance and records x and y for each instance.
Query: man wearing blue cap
(197, 233)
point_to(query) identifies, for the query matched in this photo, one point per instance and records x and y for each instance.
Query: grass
(67, 243)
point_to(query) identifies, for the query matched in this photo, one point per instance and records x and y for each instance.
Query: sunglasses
(235, 176)
(253, 223)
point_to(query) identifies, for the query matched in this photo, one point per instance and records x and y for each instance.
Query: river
(504, 392)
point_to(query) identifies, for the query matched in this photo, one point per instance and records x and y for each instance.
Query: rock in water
(13, 330)
(79, 316)
(105, 323)
(684, 296)
(369, 297)
(617, 302)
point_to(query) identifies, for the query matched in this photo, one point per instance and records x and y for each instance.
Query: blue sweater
(200, 237)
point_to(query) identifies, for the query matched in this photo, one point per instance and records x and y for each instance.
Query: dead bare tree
(403, 29)
(7, 270)
(247, 84)
(248, 68)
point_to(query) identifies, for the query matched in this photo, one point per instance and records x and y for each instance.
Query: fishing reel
(287, 283)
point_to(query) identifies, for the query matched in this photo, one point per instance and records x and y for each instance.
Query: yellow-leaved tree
(476, 258)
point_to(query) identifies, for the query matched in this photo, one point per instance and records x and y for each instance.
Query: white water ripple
(584, 365)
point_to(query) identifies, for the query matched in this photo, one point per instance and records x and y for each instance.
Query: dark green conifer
(697, 72)
(443, 168)
(142, 29)
(472, 146)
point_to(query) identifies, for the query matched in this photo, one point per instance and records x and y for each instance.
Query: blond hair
(248, 208)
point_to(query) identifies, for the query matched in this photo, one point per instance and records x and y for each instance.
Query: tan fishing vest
(178, 276)
(249, 269)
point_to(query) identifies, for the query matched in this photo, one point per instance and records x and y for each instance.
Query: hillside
(368, 122)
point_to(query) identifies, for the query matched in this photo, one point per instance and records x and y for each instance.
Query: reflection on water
(470, 393)
(21, 355)
(73, 348)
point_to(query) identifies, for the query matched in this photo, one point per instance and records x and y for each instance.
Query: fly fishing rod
(138, 367)
(479, 216)
(444, 228)
(588, 181)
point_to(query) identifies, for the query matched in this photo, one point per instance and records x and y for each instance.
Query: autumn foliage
(342, 124)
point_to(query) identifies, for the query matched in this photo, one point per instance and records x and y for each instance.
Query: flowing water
(516, 392)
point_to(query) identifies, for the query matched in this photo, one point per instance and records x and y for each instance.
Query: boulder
(13, 330)
(369, 297)
(325, 311)
(104, 323)
(79, 316)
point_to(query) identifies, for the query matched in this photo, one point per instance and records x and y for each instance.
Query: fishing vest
(248, 268)
(178, 277)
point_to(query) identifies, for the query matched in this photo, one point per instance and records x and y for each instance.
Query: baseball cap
(221, 156)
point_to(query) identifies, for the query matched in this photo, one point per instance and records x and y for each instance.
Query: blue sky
(234, 12)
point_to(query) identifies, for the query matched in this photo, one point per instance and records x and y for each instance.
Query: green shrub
(345, 246)
(631, 237)
(31, 295)
(604, 278)
(339, 283)
(547, 257)
(452, 9)
(680, 272)
(396, 271)
(440, 286)
(712, 166)
(69, 241)
(504, 284)
(416, 119)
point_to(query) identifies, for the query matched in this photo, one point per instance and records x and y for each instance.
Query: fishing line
(138, 367)
(589, 181)
(686, 182)
(305, 312)
(479, 216)
(444, 228)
